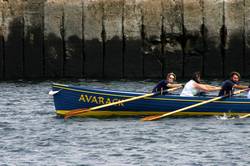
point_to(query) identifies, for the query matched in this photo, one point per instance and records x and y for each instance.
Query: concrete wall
(123, 38)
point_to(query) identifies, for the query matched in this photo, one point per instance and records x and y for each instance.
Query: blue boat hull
(69, 98)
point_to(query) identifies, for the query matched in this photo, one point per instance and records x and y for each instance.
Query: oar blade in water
(151, 118)
(244, 116)
(75, 112)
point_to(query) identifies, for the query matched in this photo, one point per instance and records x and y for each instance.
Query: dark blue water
(31, 134)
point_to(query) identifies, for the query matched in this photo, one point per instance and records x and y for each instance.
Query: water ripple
(31, 134)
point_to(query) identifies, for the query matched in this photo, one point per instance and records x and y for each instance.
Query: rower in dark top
(167, 83)
(229, 85)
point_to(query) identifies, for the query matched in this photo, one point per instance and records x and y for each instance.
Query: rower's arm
(174, 85)
(206, 88)
(240, 86)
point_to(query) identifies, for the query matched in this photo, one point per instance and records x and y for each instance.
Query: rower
(194, 87)
(167, 83)
(229, 85)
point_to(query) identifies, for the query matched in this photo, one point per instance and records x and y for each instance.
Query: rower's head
(196, 77)
(171, 77)
(235, 76)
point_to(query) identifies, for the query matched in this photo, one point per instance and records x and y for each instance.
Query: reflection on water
(31, 134)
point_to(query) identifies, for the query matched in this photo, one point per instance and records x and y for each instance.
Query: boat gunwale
(117, 93)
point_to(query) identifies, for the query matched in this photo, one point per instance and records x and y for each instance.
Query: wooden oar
(155, 117)
(80, 111)
(244, 116)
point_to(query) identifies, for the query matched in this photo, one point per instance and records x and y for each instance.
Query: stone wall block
(33, 39)
(213, 23)
(2, 41)
(193, 39)
(53, 38)
(247, 38)
(93, 41)
(172, 36)
(234, 21)
(152, 47)
(73, 28)
(113, 55)
(13, 29)
(133, 57)
(1, 55)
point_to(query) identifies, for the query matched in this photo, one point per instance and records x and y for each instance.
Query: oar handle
(240, 91)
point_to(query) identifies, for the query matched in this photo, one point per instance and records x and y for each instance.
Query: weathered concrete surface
(194, 46)
(1, 55)
(152, 28)
(213, 23)
(53, 38)
(13, 27)
(33, 38)
(172, 36)
(234, 21)
(247, 39)
(123, 38)
(113, 55)
(73, 25)
(2, 63)
(133, 57)
(93, 41)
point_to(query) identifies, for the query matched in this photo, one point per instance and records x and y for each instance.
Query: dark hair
(234, 73)
(195, 76)
(169, 74)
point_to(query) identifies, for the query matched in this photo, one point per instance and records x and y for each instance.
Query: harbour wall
(115, 39)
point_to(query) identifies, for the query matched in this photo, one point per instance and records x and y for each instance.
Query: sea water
(32, 134)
